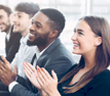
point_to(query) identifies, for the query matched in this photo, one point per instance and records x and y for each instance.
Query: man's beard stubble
(37, 42)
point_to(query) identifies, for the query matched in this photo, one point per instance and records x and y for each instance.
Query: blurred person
(22, 20)
(47, 25)
(90, 77)
(12, 40)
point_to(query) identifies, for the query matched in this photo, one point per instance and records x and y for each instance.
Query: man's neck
(25, 33)
(41, 48)
(7, 32)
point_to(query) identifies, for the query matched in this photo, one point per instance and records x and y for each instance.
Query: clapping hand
(31, 74)
(47, 83)
(6, 74)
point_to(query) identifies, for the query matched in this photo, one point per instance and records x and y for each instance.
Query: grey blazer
(55, 57)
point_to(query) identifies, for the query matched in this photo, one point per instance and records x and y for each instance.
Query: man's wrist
(11, 85)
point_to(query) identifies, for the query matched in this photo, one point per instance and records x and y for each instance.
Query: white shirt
(8, 35)
(24, 54)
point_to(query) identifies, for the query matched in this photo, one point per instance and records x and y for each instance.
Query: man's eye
(1, 17)
(19, 16)
(80, 33)
(37, 25)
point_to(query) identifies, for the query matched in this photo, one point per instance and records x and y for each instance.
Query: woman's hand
(47, 83)
(31, 74)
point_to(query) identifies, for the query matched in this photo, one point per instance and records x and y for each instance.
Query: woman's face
(84, 39)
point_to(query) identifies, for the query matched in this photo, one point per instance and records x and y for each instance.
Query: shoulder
(104, 75)
(102, 79)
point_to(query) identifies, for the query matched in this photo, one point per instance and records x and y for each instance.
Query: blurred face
(39, 30)
(21, 22)
(4, 21)
(84, 40)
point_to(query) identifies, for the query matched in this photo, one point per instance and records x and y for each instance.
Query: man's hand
(6, 74)
(6, 62)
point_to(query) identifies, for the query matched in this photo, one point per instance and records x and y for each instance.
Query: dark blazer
(12, 46)
(98, 86)
(55, 57)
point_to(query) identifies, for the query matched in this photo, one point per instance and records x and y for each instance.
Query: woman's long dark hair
(101, 28)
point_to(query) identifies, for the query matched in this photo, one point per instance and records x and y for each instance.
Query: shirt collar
(38, 53)
(8, 35)
(24, 39)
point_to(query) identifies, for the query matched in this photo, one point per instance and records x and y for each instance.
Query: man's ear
(11, 16)
(98, 41)
(53, 34)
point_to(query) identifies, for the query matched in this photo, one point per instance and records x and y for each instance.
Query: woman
(90, 77)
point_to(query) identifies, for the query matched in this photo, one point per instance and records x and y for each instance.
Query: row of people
(59, 75)
(46, 26)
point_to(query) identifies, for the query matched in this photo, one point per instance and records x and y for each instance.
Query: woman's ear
(98, 41)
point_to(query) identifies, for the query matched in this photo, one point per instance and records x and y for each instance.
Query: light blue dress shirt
(24, 54)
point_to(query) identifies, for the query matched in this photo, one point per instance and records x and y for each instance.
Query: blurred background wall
(72, 9)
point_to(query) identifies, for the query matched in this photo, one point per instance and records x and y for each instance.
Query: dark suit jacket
(55, 57)
(12, 46)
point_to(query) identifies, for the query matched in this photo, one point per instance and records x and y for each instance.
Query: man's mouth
(1, 25)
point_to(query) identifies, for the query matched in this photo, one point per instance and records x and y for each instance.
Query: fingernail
(36, 76)
(42, 69)
(38, 70)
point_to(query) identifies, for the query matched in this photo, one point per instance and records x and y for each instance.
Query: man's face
(39, 30)
(21, 22)
(4, 21)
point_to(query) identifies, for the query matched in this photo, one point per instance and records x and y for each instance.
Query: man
(22, 20)
(46, 27)
(12, 40)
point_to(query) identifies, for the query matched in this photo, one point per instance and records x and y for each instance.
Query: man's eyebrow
(19, 13)
(36, 22)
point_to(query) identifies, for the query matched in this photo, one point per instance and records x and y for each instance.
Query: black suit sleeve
(60, 66)
(13, 48)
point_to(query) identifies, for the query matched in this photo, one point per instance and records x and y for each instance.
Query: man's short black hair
(29, 8)
(56, 17)
(6, 9)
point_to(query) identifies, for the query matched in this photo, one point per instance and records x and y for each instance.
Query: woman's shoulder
(104, 75)
(102, 78)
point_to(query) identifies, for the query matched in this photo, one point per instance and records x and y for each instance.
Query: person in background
(12, 40)
(22, 20)
(90, 77)
(47, 25)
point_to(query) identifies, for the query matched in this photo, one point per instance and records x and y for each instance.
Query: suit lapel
(47, 52)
